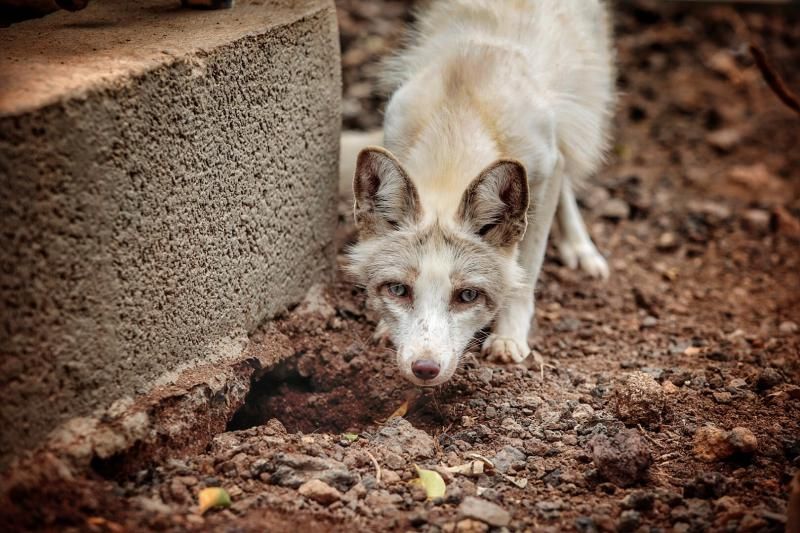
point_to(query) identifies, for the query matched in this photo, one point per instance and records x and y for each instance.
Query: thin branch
(774, 79)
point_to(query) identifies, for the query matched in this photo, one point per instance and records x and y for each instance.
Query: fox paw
(585, 256)
(506, 350)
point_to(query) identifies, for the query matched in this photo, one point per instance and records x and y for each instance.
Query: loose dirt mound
(695, 334)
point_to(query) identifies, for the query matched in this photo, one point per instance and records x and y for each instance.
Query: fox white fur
(498, 108)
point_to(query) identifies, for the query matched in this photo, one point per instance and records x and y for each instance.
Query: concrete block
(167, 182)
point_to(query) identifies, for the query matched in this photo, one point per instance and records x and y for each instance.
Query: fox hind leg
(575, 245)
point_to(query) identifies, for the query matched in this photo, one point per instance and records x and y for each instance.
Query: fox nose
(425, 369)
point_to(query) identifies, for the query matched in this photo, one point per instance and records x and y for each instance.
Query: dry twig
(774, 79)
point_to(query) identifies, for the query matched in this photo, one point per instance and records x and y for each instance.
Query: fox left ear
(384, 195)
(495, 205)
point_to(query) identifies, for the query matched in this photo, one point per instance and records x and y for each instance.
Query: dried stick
(773, 79)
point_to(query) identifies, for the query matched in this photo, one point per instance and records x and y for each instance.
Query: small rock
(669, 387)
(737, 383)
(667, 242)
(725, 139)
(471, 526)
(714, 211)
(629, 521)
(585, 524)
(506, 457)
(400, 437)
(639, 399)
(714, 444)
(615, 209)
(649, 321)
(706, 486)
(723, 397)
(319, 491)
(743, 441)
(623, 460)
(639, 500)
(757, 220)
(788, 328)
(484, 374)
(389, 477)
(549, 510)
(583, 412)
(711, 444)
(768, 378)
(487, 512)
(294, 469)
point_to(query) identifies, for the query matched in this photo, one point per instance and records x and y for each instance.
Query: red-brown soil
(704, 298)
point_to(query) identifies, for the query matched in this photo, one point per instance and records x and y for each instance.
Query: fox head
(436, 282)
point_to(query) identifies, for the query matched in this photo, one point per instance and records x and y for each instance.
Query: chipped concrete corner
(168, 183)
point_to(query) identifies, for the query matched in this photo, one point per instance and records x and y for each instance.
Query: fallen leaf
(399, 412)
(350, 437)
(431, 481)
(98, 523)
(212, 497)
(520, 482)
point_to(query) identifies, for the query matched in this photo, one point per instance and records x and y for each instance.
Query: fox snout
(425, 369)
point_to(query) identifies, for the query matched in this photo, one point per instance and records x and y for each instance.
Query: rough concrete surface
(167, 183)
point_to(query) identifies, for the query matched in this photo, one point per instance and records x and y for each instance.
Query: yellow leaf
(212, 497)
(399, 412)
(431, 481)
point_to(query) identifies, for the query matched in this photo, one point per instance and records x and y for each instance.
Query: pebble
(294, 469)
(484, 511)
(737, 383)
(757, 219)
(400, 437)
(623, 460)
(743, 441)
(714, 444)
(706, 486)
(667, 242)
(583, 413)
(506, 457)
(649, 321)
(629, 521)
(788, 328)
(639, 500)
(639, 399)
(484, 374)
(470, 526)
(711, 444)
(319, 491)
(615, 209)
(768, 378)
(725, 139)
(549, 510)
(723, 397)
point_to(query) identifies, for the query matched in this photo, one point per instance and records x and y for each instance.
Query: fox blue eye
(468, 295)
(398, 289)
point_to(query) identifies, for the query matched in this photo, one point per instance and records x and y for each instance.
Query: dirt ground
(629, 425)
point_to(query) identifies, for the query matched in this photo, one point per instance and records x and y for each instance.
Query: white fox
(498, 109)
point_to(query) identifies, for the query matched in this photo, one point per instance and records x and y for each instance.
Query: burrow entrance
(344, 392)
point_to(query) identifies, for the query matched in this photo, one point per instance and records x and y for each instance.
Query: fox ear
(495, 205)
(384, 195)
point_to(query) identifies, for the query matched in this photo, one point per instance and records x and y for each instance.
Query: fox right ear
(384, 195)
(495, 205)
